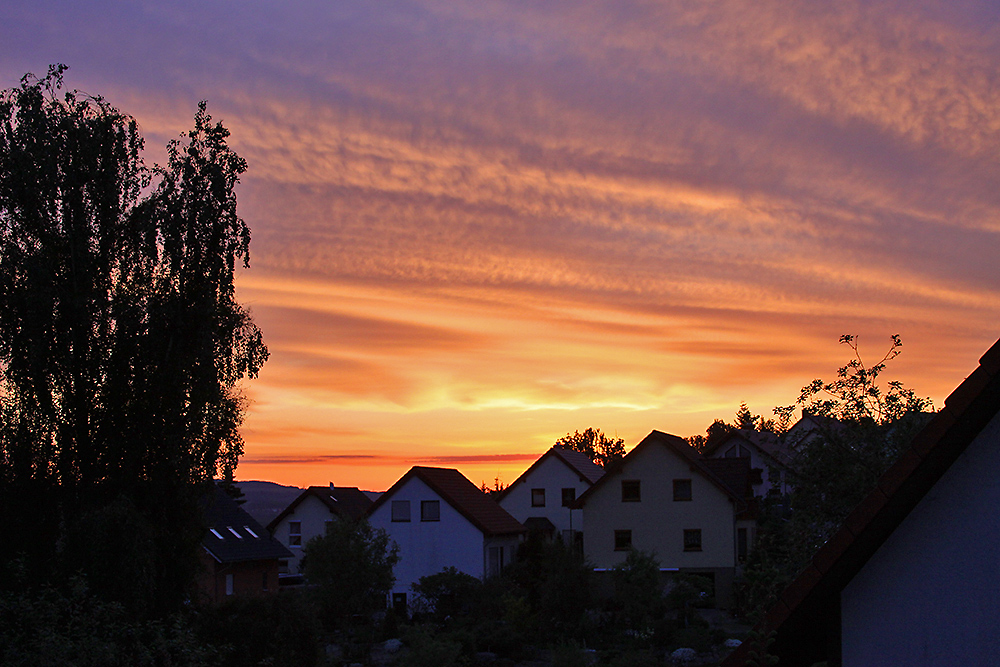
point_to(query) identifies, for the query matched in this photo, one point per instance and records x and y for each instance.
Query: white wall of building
(427, 547)
(657, 521)
(312, 515)
(931, 594)
(553, 475)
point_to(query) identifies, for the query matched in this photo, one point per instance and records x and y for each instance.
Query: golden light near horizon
(478, 227)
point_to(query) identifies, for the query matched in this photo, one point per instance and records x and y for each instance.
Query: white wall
(313, 515)
(657, 522)
(552, 475)
(931, 594)
(427, 547)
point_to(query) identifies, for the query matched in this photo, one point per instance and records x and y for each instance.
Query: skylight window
(216, 533)
(247, 528)
(233, 531)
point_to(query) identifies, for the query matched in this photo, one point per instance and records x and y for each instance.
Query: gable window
(682, 489)
(692, 539)
(430, 510)
(538, 497)
(295, 533)
(630, 491)
(623, 540)
(401, 510)
(568, 497)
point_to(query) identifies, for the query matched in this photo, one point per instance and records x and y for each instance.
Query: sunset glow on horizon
(478, 226)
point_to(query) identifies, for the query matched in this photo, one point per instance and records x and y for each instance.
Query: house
(694, 514)
(307, 516)
(542, 497)
(238, 556)
(440, 519)
(768, 454)
(912, 576)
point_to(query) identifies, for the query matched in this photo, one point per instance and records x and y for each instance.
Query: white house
(666, 499)
(307, 516)
(543, 496)
(913, 576)
(440, 519)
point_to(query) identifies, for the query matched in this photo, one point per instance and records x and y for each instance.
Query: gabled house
(768, 455)
(913, 576)
(238, 556)
(307, 516)
(439, 519)
(542, 498)
(694, 514)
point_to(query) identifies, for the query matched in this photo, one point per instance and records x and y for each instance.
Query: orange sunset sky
(480, 225)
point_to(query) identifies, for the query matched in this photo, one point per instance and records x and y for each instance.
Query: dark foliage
(351, 568)
(601, 449)
(121, 343)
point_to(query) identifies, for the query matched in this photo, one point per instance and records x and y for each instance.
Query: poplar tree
(122, 345)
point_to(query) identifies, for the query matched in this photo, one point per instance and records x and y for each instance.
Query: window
(682, 489)
(538, 497)
(295, 533)
(496, 561)
(430, 510)
(229, 584)
(623, 540)
(400, 510)
(233, 531)
(248, 529)
(692, 539)
(216, 533)
(741, 545)
(568, 497)
(630, 491)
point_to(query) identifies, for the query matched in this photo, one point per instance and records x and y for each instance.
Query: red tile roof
(455, 488)
(806, 618)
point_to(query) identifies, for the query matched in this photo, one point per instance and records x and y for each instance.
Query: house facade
(239, 557)
(912, 576)
(664, 498)
(439, 519)
(307, 516)
(768, 455)
(545, 494)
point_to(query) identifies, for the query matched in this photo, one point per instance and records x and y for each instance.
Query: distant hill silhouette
(265, 500)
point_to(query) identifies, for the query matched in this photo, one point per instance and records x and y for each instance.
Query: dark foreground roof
(346, 502)
(806, 618)
(455, 488)
(233, 535)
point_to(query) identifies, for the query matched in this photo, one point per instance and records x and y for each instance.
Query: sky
(479, 226)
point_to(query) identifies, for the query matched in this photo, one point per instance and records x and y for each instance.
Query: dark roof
(346, 502)
(806, 617)
(578, 462)
(234, 535)
(539, 524)
(688, 453)
(454, 488)
(768, 444)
